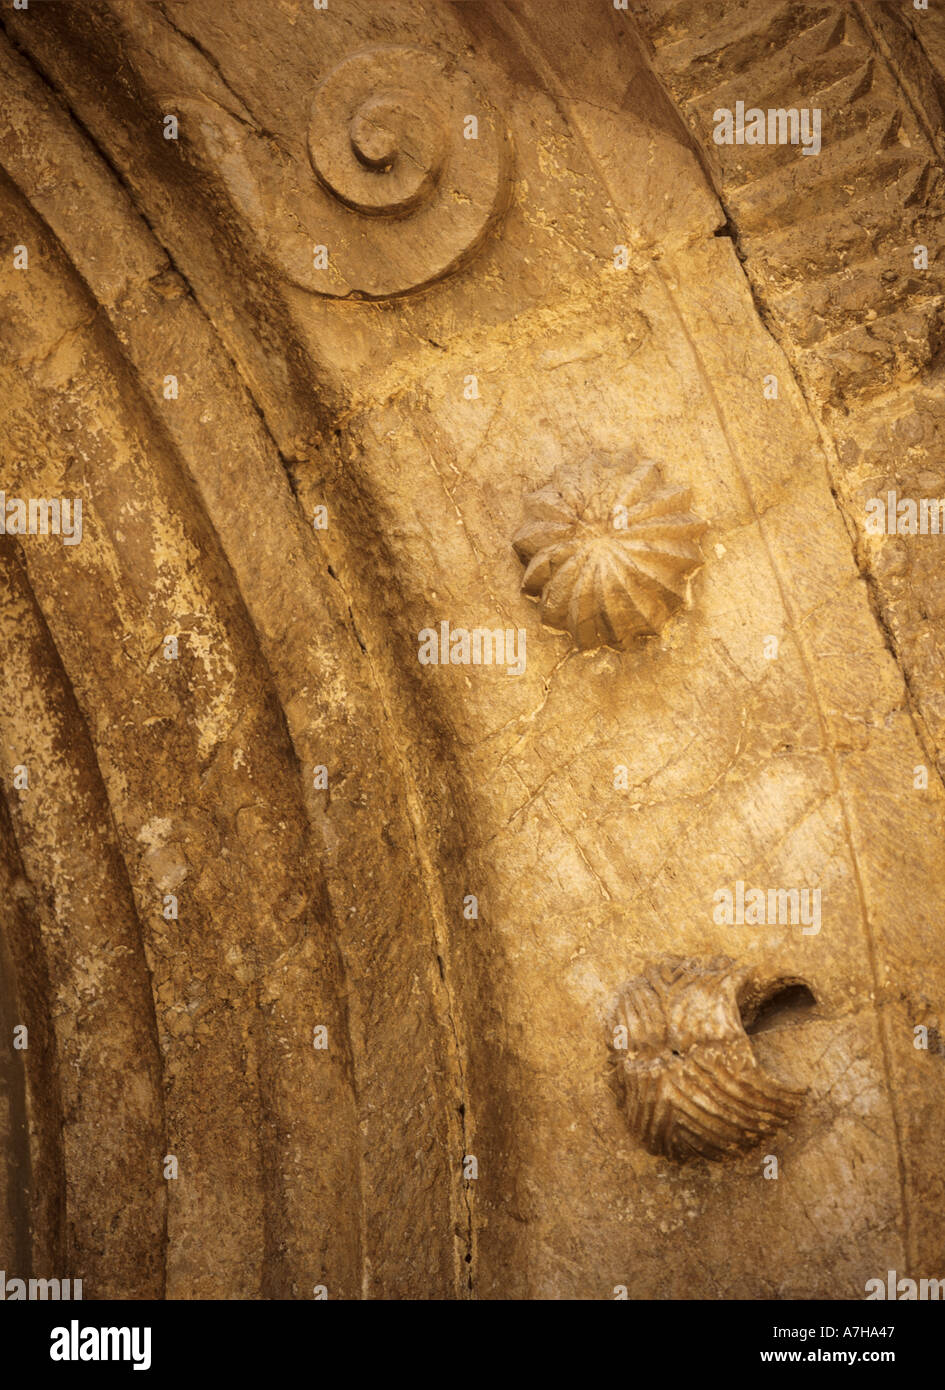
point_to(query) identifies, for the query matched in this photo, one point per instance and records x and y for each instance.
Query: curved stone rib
(33, 1177)
(91, 939)
(206, 806)
(301, 615)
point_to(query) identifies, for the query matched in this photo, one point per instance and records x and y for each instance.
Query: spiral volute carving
(409, 166)
(416, 164)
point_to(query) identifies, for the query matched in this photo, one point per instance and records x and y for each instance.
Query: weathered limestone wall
(399, 343)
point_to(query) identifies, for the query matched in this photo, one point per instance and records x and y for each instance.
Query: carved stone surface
(609, 551)
(390, 137)
(325, 922)
(402, 187)
(833, 247)
(692, 1085)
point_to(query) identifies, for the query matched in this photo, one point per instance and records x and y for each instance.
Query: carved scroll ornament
(410, 166)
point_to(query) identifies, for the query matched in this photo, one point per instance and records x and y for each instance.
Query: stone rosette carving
(692, 1086)
(609, 551)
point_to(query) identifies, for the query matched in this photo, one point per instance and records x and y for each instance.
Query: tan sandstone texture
(472, 817)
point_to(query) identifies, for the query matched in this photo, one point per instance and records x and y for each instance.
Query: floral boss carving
(609, 551)
(406, 167)
(691, 1083)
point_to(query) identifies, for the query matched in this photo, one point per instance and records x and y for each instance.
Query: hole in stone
(786, 1003)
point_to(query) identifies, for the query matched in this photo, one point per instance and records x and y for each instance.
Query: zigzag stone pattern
(846, 258)
(691, 1083)
(828, 240)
